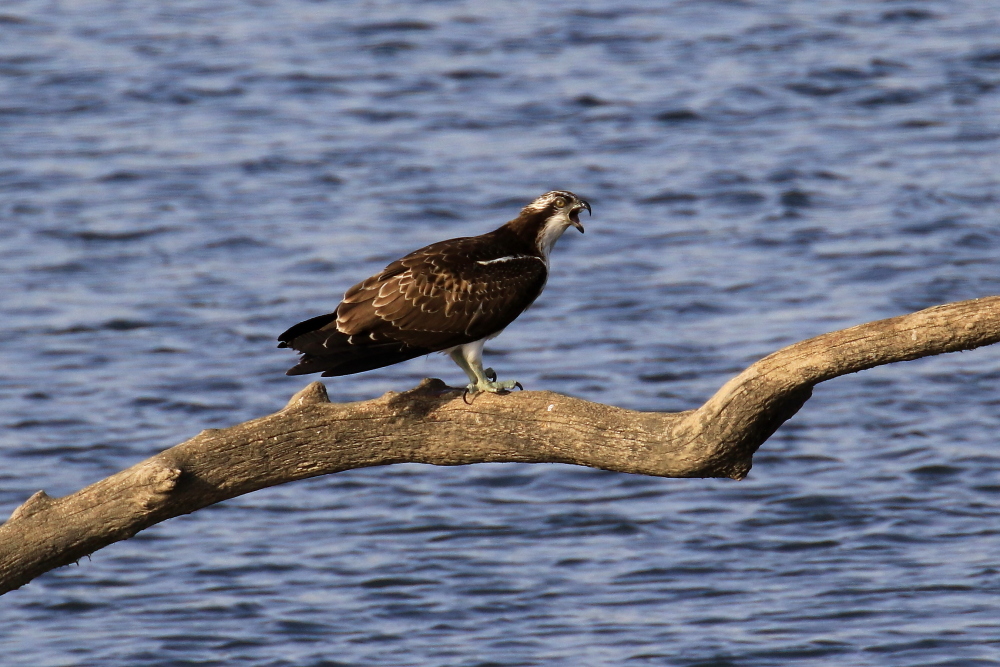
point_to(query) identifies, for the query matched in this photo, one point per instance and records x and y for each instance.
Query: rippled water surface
(181, 181)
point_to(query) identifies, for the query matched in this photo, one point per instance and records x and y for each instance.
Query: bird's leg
(469, 359)
(459, 358)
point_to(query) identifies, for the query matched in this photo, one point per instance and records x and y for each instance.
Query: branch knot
(36, 503)
(311, 394)
(158, 479)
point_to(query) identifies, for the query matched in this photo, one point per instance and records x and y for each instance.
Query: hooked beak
(574, 217)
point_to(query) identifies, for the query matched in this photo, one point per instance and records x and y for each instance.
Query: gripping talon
(491, 385)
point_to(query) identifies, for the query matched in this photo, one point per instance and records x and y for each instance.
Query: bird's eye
(559, 202)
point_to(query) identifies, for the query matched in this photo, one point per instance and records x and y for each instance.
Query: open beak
(574, 217)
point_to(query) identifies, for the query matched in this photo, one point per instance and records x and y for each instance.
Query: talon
(490, 374)
(518, 385)
(464, 395)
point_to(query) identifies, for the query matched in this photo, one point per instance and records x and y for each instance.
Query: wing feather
(462, 297)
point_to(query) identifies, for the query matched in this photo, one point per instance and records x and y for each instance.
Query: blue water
(179, 182)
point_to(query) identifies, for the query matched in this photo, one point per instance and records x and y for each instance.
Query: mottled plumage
(448, 296)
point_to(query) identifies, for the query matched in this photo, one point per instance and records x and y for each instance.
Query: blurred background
(182, 181)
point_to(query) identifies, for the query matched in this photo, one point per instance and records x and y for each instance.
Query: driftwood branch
(432, 424)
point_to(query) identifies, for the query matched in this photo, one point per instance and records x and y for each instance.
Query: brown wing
(446, 294)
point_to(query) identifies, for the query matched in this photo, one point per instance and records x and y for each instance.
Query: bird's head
(546, 218)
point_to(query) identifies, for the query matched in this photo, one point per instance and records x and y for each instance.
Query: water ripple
(181, 183)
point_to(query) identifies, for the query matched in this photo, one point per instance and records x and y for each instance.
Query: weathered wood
(433, 424)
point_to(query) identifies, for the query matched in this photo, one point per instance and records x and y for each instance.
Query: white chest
(550, 233)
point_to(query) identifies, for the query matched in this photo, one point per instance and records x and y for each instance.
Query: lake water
(179, 182)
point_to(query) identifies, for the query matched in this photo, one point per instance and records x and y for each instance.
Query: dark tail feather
(349, 362)
(308, 364)
(312, 324)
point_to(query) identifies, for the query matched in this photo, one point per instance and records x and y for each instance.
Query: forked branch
(432, 424)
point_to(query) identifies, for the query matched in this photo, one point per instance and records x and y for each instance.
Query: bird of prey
(450, 296)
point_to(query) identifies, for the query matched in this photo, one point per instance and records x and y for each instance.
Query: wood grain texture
(433, 424)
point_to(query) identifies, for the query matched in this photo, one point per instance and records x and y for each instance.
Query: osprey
(450, 296)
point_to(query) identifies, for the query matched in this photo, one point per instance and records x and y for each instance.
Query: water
(182, 181)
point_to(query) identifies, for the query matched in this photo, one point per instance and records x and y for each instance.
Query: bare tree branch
(432, 424)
